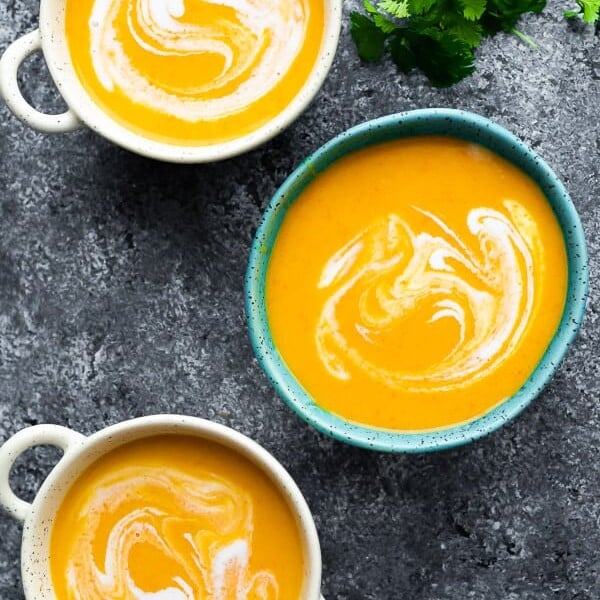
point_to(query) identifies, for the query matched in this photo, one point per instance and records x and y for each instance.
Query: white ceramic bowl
(51, 40)
(80, 451)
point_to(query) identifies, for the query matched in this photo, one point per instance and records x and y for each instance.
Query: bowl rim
(455, 123)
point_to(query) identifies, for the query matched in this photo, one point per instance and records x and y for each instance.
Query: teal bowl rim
(433, 121)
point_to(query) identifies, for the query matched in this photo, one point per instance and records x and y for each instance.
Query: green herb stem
(525, 38)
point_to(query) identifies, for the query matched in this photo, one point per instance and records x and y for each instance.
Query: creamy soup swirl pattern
(257, 41)
(201, 525)
(485, 284)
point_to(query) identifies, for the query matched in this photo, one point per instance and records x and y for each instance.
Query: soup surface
(194, 71)
(175, 518)
(416, 284)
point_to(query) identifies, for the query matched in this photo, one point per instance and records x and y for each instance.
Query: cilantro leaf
(503, 15)
(396, 8)
(473, 9)
(369, 39)
(402, 53)
(380, 20)
(469, 32)
(590, 10)
(418, 7)
(443, 58)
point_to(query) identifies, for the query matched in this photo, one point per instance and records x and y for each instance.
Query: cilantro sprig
(439, 37)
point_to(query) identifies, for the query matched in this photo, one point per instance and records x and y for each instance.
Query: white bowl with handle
(81, 451)
(51, 39)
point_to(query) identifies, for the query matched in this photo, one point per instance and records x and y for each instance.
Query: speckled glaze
(50, 39)
(81, 451)
(456, 123)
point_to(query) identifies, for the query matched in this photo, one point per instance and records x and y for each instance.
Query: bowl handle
(10, 62)
(38, 435)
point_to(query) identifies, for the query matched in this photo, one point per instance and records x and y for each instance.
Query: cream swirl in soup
(390, 271)
(201, 525)
(194, 72)
(255, 42)
(175, 518)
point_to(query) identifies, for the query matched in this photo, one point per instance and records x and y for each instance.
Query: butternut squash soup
(175, 518)
(194, 71)
(416, 284)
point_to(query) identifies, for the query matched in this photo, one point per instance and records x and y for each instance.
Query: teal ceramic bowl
(455, 123)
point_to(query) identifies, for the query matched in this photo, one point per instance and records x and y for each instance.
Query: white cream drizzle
(393, 271)
(258, 47)
(212, 556)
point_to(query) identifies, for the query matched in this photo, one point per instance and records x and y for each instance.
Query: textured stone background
(121, 288)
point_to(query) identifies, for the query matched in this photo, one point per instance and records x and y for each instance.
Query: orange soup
(175, 518)
(416, 284)
(194, 71)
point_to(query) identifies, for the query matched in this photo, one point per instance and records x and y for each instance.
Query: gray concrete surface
(121, 295)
